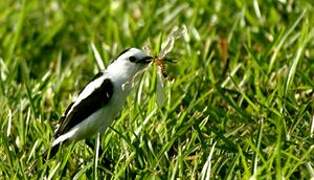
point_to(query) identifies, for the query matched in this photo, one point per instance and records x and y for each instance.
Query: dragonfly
(161, 59)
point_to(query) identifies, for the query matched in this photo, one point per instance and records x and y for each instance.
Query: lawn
(239, 95)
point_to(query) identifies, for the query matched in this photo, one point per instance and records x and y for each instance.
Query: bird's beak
(146, 60)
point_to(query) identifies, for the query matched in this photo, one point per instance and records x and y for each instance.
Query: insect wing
(160, 88)
(175, 34)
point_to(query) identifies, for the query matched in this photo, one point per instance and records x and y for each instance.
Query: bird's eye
(132, 58)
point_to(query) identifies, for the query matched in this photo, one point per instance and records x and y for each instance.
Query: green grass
(239, 105)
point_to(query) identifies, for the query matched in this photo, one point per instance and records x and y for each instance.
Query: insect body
(161, 66)
(161, 60)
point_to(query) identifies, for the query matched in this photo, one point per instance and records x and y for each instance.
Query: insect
(162, 66)
(161, 59)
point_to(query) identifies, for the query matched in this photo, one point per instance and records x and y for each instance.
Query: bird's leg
(91, 145)
(106, 162)
(96, 155)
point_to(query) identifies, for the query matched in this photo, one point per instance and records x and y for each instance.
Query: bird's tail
(56, 144)
(53, 152)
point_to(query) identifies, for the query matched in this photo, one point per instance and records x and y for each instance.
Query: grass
(239, 105)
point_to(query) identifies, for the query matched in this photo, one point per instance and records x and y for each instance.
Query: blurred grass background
(239, 105)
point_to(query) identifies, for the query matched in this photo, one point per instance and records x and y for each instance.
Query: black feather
(96, 100)
(53, 152)
(124, 51)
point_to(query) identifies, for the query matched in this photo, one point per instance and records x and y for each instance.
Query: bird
(99, 102)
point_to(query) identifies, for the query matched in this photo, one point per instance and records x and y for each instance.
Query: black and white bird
(101, 100)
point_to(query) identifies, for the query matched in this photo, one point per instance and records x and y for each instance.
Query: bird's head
(130, 61)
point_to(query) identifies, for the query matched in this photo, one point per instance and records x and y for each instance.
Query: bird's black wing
(94, 78)
(75, 114)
